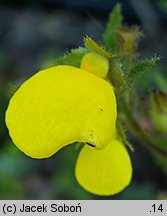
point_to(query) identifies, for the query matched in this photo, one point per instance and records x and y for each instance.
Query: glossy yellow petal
(59, 106)
(106, 171)
(95, 64)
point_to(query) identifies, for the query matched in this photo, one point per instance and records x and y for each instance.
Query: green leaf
(92, 46)
(73, 58)
(139, 68)
(110, 35)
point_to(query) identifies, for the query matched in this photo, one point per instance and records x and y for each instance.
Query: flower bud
(128, 39)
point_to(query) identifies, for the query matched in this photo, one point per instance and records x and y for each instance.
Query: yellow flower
(64, 104)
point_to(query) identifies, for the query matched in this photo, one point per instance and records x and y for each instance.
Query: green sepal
(115, 75)
(92, 46)
(72, 58)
